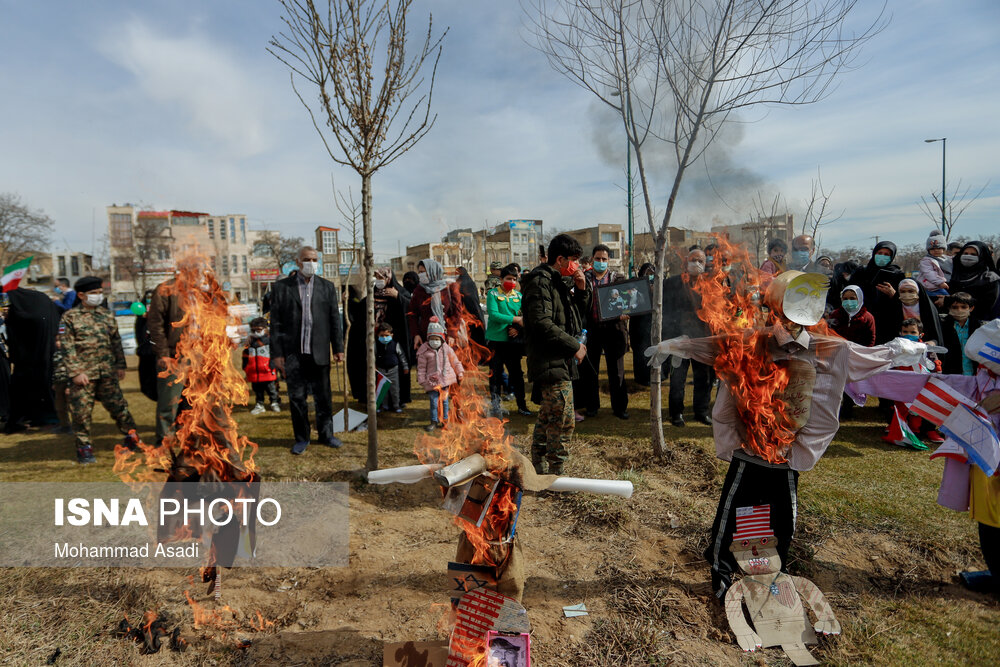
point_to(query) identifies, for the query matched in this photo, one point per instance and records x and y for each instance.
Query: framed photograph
(627, 297)
(508, 650)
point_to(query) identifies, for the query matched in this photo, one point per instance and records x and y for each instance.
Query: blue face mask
(882, 260)
(851, 305)
(385, 340)
(600, 267)
(800, 258)
(914, 337)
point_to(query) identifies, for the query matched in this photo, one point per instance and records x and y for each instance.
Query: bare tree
(758, 229)
(281, 249)
(350, 211)
(817, 213)
(954, 206)
(150, 254)
(676, 72)
(372, 104)
(22, 230)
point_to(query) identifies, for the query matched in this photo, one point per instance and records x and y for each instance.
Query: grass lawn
(870, 535)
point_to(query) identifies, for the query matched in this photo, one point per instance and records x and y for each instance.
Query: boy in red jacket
(257, 366)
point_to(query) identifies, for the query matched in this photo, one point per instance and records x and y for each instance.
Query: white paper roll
(612, 487)
(403, 475)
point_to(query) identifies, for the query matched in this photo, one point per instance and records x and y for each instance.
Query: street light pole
(944, 146)
(628, 172)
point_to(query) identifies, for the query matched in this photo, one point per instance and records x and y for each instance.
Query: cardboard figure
(772, 598)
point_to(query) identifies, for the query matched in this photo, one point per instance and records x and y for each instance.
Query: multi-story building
(517, 241)
(679, 240)
(755, 235)
(449, 255)
(146, 244)
(340, 261)
(609, 235)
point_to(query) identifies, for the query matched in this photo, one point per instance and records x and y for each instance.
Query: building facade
(604, 234)
(145, 246)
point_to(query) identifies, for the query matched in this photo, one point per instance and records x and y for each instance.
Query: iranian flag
(900, 432)
(12, 274)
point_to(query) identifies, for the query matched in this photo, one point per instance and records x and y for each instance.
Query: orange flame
(470, 430)
(731, 307)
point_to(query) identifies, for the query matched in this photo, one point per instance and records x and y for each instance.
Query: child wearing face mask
(438, 368)
(257, 366)
(935, 267)
(390, 360)
(852, 321)
(957, 326)
(912, 329)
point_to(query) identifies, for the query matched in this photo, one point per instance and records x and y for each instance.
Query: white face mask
(424, 278)
(696, 268)
(969, 260)
(309, 268)
(909, 298)
(95, 299)
(435, 343)
(380, 284)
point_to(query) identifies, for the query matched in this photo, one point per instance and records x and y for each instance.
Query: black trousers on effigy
(750, 483)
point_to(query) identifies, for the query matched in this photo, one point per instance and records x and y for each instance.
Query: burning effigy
(483, 480)
(782, 376)
(206, 445)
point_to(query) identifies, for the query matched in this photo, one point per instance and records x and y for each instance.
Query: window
(232, 229)
(121, 230)
(329, 269)
(225, 265)
(346, 256)
(235, 267)
(215, 264)
(62, 265)
(245, 264)
(211, 229)
(222, 229)
(74, 265)
(243, 233)
(613, 254)
(329, 242)
(609, 237)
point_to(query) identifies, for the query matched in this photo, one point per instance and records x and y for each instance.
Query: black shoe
(623, 414)
(430, 428)
(85, 455)
(677, 421)
(591, 412)
(524, 412)
(131, 441)
(704, 419)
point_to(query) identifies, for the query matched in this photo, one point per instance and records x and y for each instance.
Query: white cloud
(199, 80)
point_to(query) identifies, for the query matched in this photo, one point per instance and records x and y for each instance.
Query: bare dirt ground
(869, 535)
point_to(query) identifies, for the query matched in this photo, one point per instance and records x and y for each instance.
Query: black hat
(88, 283)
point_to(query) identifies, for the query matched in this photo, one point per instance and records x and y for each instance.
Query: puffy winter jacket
(438, 368)
(257, 360)
(552, 324)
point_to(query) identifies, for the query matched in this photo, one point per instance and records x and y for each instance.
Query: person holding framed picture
(607, 338)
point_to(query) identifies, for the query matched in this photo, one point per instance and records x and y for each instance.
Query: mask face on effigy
(758, 555)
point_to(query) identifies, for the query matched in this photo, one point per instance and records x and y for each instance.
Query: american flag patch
(753, 523)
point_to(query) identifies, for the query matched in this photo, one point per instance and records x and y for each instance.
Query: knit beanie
(435, 328)
(936, 240)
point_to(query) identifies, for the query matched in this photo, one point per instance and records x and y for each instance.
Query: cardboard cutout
(773, 598)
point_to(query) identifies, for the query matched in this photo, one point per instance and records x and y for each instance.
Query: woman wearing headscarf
(975, 272)
(879, 279)
(639, 330)
(911, 300)
(432, 298)
(392, 301)
(470, 299)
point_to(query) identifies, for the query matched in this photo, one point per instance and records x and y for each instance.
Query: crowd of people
(59, 354)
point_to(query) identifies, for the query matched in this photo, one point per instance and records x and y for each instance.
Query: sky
(177, 104)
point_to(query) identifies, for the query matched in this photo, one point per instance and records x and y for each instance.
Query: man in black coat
(305, 325)
(681, 304)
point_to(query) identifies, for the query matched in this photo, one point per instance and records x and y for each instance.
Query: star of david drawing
(464, 581)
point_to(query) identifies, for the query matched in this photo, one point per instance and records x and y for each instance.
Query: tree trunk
(369, 262)
(346, 301)
(655, 333)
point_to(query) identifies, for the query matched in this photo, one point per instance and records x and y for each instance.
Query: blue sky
(177, 104)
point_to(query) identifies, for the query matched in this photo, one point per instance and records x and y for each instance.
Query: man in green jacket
(554, 292)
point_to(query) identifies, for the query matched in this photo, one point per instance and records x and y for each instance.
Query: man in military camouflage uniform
(94, 362)
(493, 280)
(553, 294)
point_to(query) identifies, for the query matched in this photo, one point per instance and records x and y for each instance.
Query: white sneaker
(257, 409)
(275, 407)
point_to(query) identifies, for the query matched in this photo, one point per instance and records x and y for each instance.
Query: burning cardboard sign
(772, 598)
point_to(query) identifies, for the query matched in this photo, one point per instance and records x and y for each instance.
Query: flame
(731, 308)
(470, 430)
